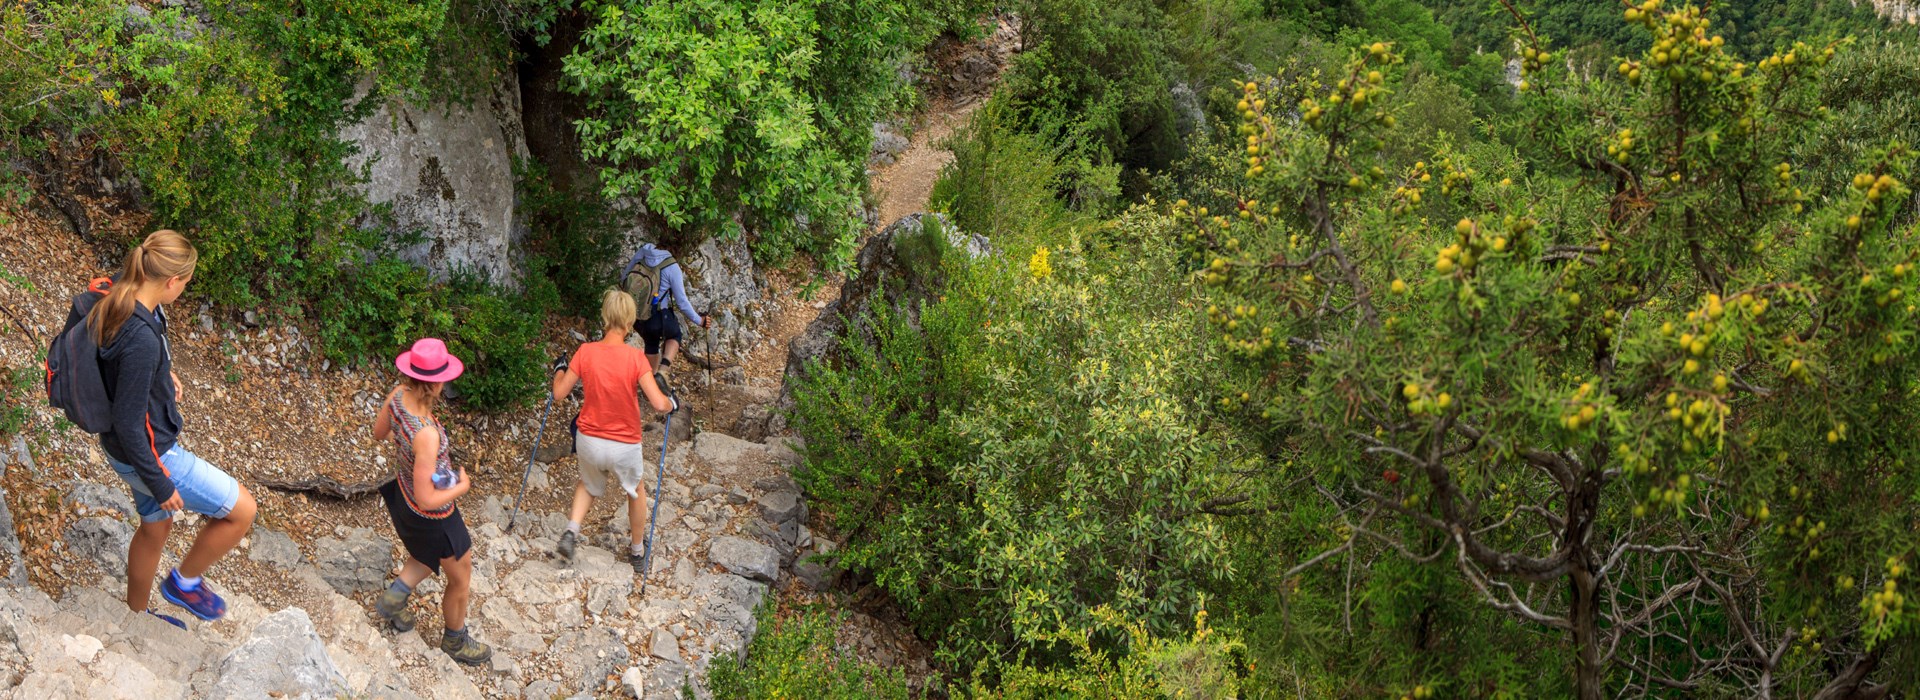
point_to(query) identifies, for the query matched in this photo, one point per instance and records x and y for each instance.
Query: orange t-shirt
(610, 377)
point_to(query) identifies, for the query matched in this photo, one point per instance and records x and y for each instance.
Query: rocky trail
(261, 402)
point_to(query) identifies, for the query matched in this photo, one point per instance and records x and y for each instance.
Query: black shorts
(426, 540)
(663, 326)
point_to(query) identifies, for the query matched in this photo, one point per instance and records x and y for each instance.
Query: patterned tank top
(405, 426)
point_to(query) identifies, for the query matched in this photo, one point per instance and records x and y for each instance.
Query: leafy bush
(1202, 666)
(1002, 182)
(707, 108)
(388, 304)
(795, 655)
(574, 241)
(1029, 450)
(1093, 84)
(1636, 355)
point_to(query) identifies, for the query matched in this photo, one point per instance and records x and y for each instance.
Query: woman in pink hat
(421, 498)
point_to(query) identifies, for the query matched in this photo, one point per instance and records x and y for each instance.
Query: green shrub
(382, 306)
(1029, 450)
(795, 655)
(573, 240)
(1002, 182)
(761, 109)
(1204, 665)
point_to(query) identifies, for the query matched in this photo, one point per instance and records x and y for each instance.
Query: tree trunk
(1583, 588)
(1852, 683)
(1584, 612)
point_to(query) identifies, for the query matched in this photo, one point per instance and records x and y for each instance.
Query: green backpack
(643, 282)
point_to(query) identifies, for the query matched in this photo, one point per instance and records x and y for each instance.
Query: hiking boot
(201, 602)
(565, 549)
(639, 560)
(392, 606)
(169, 619)
(465, 649)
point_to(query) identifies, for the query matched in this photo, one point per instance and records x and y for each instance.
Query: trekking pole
(530, 456)
(710, 361)
(653, 518)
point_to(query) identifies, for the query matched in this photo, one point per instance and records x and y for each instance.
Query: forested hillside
(1379, 349)
(1262, 348)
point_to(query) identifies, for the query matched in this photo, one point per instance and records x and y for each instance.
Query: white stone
(83, 648)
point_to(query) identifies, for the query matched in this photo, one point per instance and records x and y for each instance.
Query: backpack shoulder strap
(664, 264)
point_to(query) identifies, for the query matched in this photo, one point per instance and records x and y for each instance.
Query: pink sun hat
(429, 361)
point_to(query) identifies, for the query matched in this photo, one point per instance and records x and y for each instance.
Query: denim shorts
(203, 488)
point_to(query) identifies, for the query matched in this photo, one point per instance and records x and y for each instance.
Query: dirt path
(905, 187)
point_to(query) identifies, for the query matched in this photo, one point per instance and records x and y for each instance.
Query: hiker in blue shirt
(143, 444)
(658, 284)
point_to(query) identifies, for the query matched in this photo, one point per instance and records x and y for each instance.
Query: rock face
(274, 547)
(360, 562)
(284, 657)
(447, 171)
(103, 540)
(746, 558)
(722, 282)
(1901, 11)
(889, 256)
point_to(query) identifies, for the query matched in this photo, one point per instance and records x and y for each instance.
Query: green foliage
(1027, 451)
(1002, 182)
(1606, 363)
(1203, 666)
(573, 240)
(1093, 83)
(795, 655)
(707, 108)
(232, 132)
(388, 304)
(19, 393)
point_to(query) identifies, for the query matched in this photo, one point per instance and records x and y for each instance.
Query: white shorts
(600, 457)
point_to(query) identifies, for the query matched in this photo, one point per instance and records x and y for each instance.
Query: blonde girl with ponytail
(143, 445)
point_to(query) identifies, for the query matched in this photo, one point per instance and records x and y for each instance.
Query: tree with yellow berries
(1640, 385)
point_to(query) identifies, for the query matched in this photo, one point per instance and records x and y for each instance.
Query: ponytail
(165, 254)
(424, 390)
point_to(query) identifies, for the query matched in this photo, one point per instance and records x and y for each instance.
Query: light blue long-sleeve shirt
(672, 279)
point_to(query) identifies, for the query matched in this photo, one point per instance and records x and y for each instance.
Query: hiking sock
(573, 527)
(456, 635)
(637, 550)
(185, 583)
(400, 587)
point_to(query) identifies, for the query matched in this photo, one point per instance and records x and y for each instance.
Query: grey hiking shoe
(567, 541)
(639, 560)
(392, 606)
(465, 649)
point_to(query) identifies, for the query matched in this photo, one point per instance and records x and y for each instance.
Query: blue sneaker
(200, 601)
(169, 619)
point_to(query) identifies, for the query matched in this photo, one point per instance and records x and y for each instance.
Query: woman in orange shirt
(612, 374)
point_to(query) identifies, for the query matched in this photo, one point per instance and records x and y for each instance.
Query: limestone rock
(102, 540)
(447, 170)
(719, 448)
(274, 547)
(663, 646)
(588, 656)
(749, 559)
(780, 506)
(818, 571)
(91, 498)
(360, 562)
(283, 657)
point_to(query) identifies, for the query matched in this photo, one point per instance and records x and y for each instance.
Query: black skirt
(426, 540)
